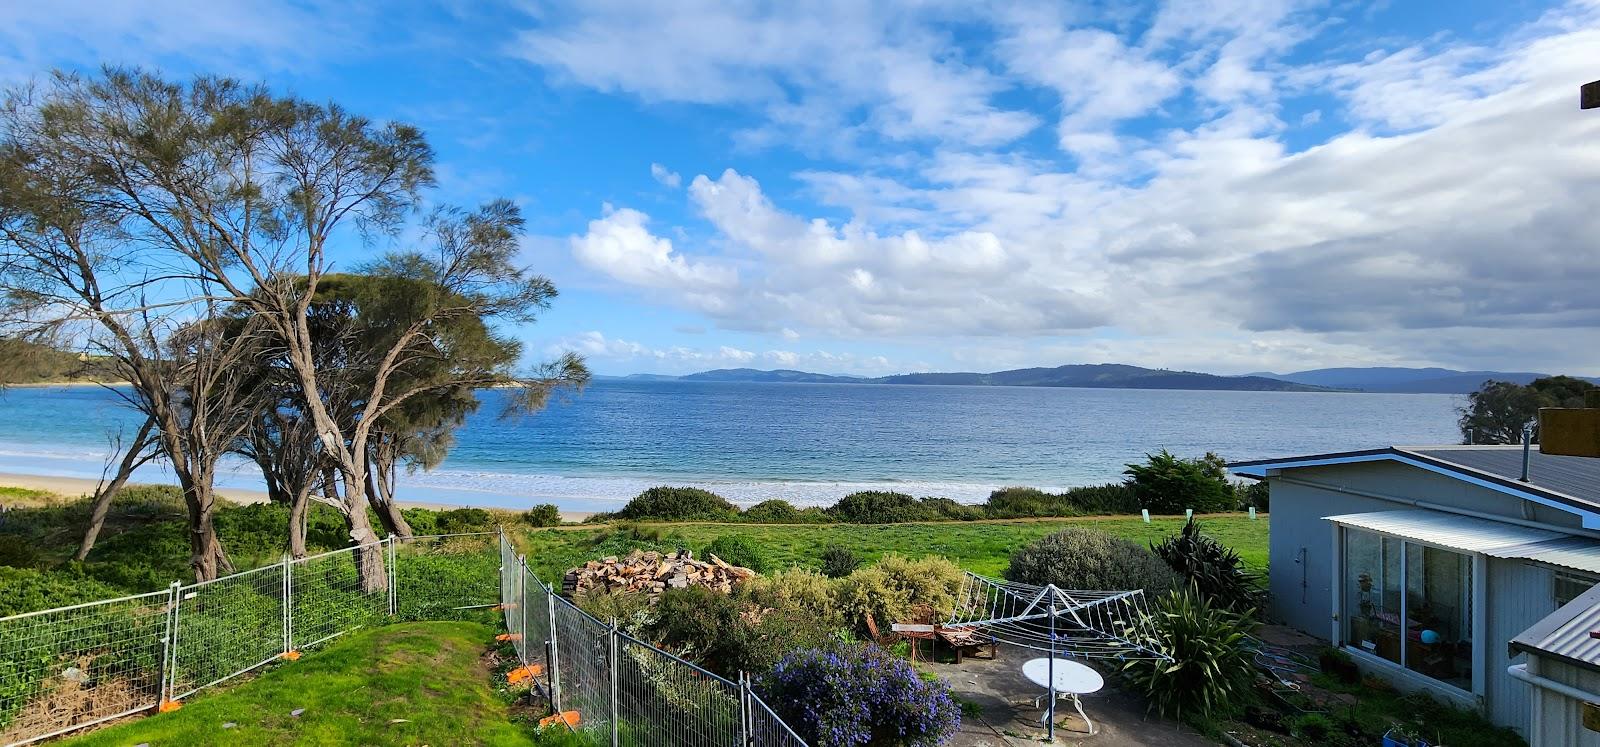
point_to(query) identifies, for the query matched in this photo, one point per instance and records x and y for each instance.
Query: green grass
(982, 547)
(355, 691)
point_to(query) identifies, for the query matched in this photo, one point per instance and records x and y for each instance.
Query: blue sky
(1227, 185)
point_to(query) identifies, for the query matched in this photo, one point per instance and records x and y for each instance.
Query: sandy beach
(76, 486)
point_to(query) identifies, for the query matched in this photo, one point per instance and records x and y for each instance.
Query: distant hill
(30, 363)
(1101, 376)
(782, 374)
(1404, 380)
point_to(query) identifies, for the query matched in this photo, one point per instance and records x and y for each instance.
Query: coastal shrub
(798, 589)
(847, 695)
(542, 515)
(1076, 558)
(952, 510)
(776, 632)
(462, 520)
(898, 588)
(1257, 493)
(29, 590)
(737, 550)
(632, 610)
(1166, 484)
(880, 507)
(1212, 568)
(1021, 503)
(839, 561)
(779, 511)
(700, 625)
(1211, 669)
(1113, 498)
(678, 504)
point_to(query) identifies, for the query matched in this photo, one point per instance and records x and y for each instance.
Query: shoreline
(71, 487)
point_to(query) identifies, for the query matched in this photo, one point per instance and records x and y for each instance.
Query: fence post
(288, 563)
(169, 646)
(615, 732)
(522, 603)
(555, 654)
(394, 577)
(745, 714)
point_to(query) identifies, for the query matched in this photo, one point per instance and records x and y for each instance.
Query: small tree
(1499, 412)
(1166, 484)
(1212, 568)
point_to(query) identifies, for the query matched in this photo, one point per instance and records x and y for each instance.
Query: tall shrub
(853, 695)
(1212, 568)
(880, 507)
(1166, 484)
(1075, 558)
(1210, 671)
(678, 504)
(897, 587)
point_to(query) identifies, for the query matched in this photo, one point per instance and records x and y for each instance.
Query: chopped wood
(652, 573)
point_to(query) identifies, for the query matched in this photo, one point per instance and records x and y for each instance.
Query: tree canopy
(1500, 411)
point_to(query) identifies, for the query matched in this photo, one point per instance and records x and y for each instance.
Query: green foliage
(27, 589)
(878, 507)
(1016, 503)
(1499, 411)
(950, 510)
(1313, 726)
(897, 588)
(806, 592)
(700, 625)
(1211, 567)
(1211, 669)
(678, 504)
(1166, 484)
(542, 515)
(779, 511)
(737, 550)
(839, 561)
(1076, 558)
(465, 520)
(1257, 493)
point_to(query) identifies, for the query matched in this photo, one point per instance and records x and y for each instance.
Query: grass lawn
(982, 547)
(353, 692)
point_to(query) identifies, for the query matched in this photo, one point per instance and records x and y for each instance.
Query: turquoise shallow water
(810, 443)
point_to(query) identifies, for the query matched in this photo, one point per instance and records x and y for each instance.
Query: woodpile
(652, 573)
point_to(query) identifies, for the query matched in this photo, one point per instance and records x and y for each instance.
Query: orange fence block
(290, 655)
(502, 607)
(509, 637)
(167, 706)
(570, 718)
(522, 673)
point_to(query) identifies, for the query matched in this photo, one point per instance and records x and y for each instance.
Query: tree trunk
(131, 459)
(368, 553)
(380, 495)
(298, 510)
(206, 556)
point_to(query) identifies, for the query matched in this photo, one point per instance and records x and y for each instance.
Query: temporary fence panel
(448, 577)
(226, 627)
(67, 668)
(329, 595)
(583, 666)
(664, 701)
(534, 619)
(766, 729)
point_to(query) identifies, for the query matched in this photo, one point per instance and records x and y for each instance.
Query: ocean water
(808, 443)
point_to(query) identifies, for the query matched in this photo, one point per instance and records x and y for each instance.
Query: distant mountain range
(1101, 376)
(1403, 380)
(1118, 376)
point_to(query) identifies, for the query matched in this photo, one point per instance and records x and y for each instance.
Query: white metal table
(1070, 678)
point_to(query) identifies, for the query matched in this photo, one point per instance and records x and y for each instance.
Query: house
(1563, 670)
(1426, 563)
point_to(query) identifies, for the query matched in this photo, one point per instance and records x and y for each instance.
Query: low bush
(897, 588)
(632, 610)
(542, 515)
(678, 504)
(797, 589)
(1076, 558)
(951, 510)
(880, 507)
(28, 590)
(1166, 484)
(1211, 567)
(779, 511)
(700, 625)
(1021, 503)
(1314, 726)
(839, 561)
(463, 520)
(1114, 498)
(738, 550)
(845, 695)
(1211, 670)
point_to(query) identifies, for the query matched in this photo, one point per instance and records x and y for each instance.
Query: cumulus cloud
(619, 244)
(597, 346)
(667, 177)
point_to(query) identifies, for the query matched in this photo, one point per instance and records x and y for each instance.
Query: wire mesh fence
(624, 691)
(67, 668)
(447, 577)
(336, 592)
(227, 627)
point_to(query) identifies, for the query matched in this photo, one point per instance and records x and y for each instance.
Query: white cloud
(666, 176)
(620, 245)
(633, 356)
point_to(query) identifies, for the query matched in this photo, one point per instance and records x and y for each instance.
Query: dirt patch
(66, 702)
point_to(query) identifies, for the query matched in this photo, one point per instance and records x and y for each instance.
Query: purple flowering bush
(859, 695)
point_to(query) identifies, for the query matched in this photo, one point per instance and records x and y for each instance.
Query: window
(1570, 584)
(1410, 604)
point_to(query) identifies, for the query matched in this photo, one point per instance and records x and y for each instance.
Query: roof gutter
(1520, 672)
(1431, 506)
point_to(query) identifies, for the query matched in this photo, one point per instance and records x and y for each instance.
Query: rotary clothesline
(1070, 623)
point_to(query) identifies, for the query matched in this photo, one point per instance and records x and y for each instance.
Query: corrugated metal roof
(1470, 534)
(1564, 634)
(1578, 477)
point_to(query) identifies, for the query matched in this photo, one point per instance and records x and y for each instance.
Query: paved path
(1009, 717)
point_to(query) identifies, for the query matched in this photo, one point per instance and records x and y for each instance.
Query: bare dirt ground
(1010, 718)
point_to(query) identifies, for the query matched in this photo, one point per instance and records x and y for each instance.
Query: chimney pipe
(1527, 451)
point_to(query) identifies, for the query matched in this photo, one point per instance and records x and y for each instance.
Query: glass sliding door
(1439, 614)
(1372, 593)
(1410, 604)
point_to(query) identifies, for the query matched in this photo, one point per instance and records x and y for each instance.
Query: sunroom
(1420, 595)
